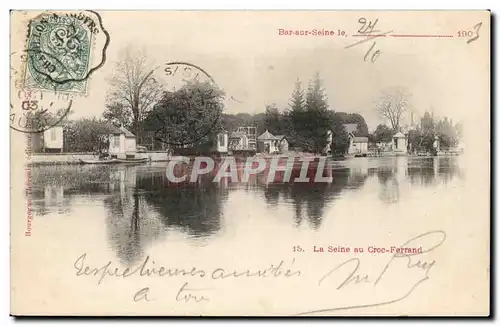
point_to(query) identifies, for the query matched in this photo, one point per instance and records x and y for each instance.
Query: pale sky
(247, 58)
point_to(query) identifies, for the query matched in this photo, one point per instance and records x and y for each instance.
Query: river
(136, 209)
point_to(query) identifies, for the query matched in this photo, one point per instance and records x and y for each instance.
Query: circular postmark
(190, 107)
(34, 110)
(60, 47)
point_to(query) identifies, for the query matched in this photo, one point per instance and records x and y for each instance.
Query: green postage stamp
(59, 49)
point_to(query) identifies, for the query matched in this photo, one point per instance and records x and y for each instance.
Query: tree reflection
(429, 171)
(143, 205)
(195, 208)
(310, 199)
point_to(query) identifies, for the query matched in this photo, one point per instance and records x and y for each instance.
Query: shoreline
(74, 158)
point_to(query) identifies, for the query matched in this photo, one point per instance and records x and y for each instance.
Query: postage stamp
(59, 50)
(53, 57)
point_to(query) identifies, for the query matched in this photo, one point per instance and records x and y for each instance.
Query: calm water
(138, 208)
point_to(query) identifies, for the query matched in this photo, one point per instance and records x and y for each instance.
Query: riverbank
(74, 158)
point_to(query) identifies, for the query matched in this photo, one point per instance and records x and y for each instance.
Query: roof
(279, 137)
(399, 135)
(350, 127)
(238, 134)
(266, 136)
(360, 139)
(122, 130)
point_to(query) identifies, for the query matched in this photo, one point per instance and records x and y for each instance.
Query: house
(269, 143)
(238, 140)
(122, 143)
(399, 143)
(357, 145)
(222, 143)
(49, 141)
(53, 139)
(282, 143)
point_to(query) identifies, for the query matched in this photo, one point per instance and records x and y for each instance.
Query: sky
(251, 62)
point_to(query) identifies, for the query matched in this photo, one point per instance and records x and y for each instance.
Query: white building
(399, 143)
(239, 141)
(269, 143)
(122, 144)
(357, 145)
(222, 144)
(53, 139)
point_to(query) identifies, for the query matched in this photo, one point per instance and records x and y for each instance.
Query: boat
(116, 161)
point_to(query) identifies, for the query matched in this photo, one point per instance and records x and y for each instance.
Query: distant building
(399, 143)
(222, 143)
(238, 140)
(49, 141)
(53, 139)
(122, 143)
(357, 145)
(282, 143)
(243, 141)
(269, 143)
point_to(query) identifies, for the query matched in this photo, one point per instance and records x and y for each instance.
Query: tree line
(193, 114)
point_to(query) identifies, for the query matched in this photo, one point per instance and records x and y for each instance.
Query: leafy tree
(340, 138)
(274, 121)
(87, 135)
(190, 115)
(118, 114)
(383, 133)
(362, 127)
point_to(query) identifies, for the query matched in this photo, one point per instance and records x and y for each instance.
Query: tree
(297, 102)
(383, 133)
(362, 127)
(295, 116)
(392, 105)
(118, 115)
(315, 97)
(273, 119)
(43, 120)
(134, 87)
(313, 125)
(447, 133)
(188, 116)
(87, 135)
(340, 138)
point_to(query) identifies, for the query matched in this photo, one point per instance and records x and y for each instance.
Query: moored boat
(116, 161)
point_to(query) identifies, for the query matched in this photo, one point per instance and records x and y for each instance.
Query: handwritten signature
(436, 239)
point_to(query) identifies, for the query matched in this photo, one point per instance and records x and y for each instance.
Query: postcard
(250, 163)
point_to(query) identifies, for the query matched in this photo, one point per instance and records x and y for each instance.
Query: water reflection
(142, 206)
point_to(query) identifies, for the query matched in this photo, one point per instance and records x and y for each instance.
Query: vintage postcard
(250, 163)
